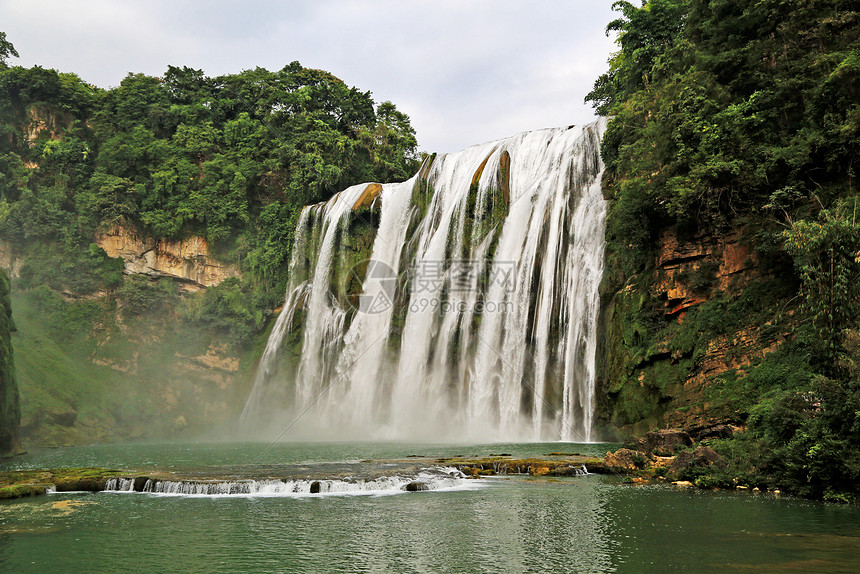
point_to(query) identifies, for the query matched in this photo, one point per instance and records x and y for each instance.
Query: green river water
(591, 523)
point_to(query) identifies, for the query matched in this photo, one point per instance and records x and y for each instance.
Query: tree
(6, 50)
(826, 254)
(392, 144)
(643, 34)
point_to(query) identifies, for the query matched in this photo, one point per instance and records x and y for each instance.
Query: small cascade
(459, 305)
(120, 484)
(430, 479)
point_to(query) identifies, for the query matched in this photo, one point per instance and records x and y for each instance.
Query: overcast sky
(465, 71)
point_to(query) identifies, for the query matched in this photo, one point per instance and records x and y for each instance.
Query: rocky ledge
(560, 464)
(21, 483)
(189, 261)
(672, 455)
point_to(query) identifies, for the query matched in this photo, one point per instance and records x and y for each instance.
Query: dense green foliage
(232, 158)
(10, 415)
(740, 114)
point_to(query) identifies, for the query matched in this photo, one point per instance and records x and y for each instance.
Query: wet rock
(624, 459)
(367, 199)
(80, 484)
(416, 486)
(21, 490)
(140, 482)
(316, 487)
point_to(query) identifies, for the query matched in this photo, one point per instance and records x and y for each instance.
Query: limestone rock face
(188, 260)
(687, 270)
(656, 368)
(42, 119)
(368, 197)
(9, 260)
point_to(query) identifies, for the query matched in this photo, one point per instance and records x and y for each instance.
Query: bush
(140, 295)
(226, 309)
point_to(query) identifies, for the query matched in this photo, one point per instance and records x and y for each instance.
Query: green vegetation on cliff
(10, 414)
(232, 158)
(737, 119)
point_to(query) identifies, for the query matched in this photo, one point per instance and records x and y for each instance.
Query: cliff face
(120, 363)
(671, 334)
(10, 414)
(189, 260)
(120, 377)
(9, 260)
(44, 120)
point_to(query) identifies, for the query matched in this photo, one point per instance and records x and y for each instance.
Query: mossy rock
(22, 491)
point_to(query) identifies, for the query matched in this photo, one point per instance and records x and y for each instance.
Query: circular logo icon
(378, 285)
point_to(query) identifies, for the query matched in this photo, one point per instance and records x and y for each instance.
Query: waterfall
(459, 305)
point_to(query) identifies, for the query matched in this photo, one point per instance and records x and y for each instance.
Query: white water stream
(477, 316)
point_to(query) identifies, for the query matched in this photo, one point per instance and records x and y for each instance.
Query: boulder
(64, 418)
(316, 487)
(416, 486)
(701, 457)
(661, 443)
(624, 459)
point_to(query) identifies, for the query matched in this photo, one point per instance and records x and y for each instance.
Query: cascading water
(436, 479)
(459, 305)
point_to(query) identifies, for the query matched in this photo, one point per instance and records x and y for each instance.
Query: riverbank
(663, 457)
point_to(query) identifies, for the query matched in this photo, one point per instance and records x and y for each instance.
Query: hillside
(732, 293)
(147, 230)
